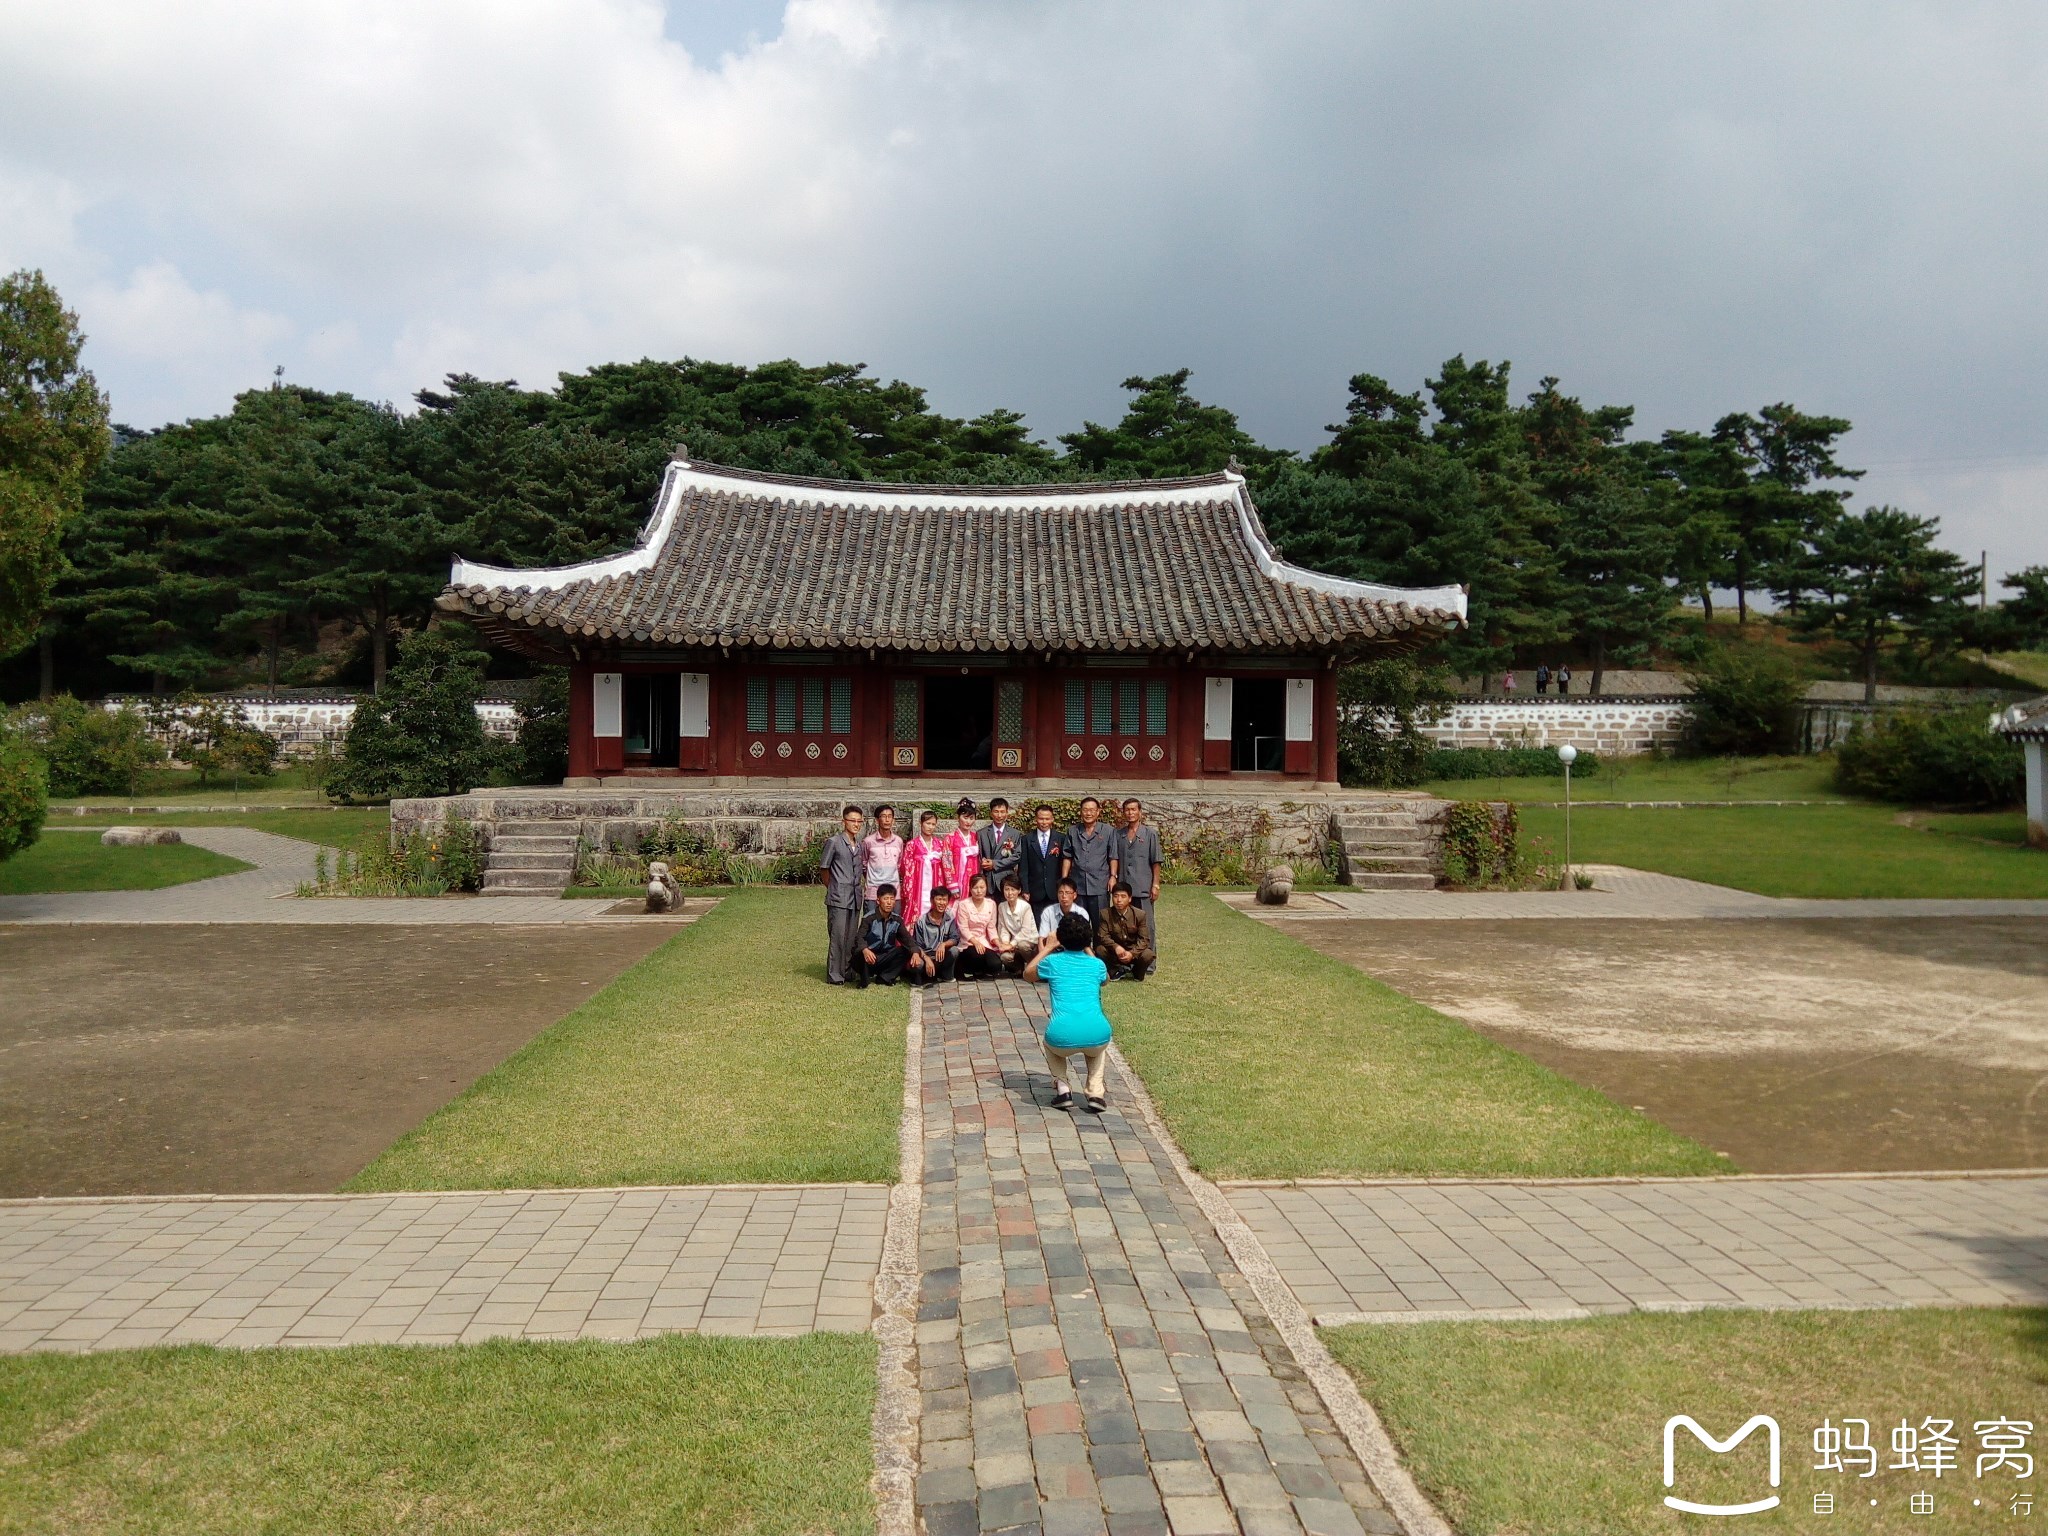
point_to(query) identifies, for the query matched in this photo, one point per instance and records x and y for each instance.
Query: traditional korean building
(766, 627)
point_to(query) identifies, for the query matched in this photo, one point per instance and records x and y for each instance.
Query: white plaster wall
(300, 725)
(1615, 726)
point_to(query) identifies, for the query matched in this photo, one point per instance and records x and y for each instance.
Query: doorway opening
(652, 710)
(959, 724)
(1258, 725)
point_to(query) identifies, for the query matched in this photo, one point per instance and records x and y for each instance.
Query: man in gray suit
(1135, 858)
(1001, 847)
(840, 864)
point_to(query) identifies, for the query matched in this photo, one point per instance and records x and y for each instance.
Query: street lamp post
(1567, 754)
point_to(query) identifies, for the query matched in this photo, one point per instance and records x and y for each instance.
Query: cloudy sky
(1693, 208)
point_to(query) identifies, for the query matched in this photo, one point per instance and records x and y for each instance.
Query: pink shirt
(977, 927)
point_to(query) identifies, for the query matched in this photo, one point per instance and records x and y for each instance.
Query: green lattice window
(1127, 696)
(1155, 709)
(842, 706)
(814, 706)
(903, 718)
(1077, 707)
(1009, 710)
(785, 706)
(757, 703)
(1101, 697)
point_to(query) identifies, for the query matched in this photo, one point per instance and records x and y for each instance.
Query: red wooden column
(1187, 730)
(582, 750)
(1048, 724)
(874, 719)
(1326, 726)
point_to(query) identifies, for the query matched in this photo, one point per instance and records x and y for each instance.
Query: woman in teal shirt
(1078, 1026)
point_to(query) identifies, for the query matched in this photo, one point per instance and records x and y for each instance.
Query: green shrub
(459, 855)
(692, 857)
(1744, 703)
(542, 753)
(89, 750)
(421, 735)
(216, 738)
(24, 793)
(1381, 709)
(1502, 763)
(1916, 758)
(1483, 846)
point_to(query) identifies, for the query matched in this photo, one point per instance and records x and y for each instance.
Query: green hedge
(1954, 758)
(1501, 763)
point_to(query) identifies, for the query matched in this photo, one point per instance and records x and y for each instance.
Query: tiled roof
(738, 558)
(2027, 721)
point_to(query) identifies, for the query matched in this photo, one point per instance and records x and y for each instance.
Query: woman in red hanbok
(963, 851)
(924, 867)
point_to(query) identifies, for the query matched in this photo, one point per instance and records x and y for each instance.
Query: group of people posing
(981, 902)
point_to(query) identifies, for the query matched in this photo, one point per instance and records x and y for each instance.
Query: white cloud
(1696, 209)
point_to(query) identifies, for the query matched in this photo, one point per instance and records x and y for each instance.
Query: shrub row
(1502, 763)
(1951, 758)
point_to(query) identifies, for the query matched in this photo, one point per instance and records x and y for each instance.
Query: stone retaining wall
(770, 821)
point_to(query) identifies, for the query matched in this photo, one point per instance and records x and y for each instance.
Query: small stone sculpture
(139, 837)
(663, 894)
(1276, 885)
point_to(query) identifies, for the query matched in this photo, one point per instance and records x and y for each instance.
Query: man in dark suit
(1045, 851)
(1000, 845)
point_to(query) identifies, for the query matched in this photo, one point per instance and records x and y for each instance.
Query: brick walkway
(1618, 892)
(1090, 1359)
(1562, 1249)
(440, 1268)
(262, 894)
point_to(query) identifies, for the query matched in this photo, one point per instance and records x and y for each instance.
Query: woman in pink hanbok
(963, 851)
(924, 867)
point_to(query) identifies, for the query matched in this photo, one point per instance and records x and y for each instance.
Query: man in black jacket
(880, 947)
(1045, 851)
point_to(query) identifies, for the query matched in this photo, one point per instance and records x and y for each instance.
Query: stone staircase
(1385, 849)
(531, 858)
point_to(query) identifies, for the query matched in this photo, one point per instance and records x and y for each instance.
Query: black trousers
(975, 963)
(923, 978)
(887, 968)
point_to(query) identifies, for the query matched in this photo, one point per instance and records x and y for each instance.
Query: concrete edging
(898, 1402)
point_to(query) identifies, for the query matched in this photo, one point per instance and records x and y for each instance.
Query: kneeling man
(881, 948)
(1121, 942)
(934, 942)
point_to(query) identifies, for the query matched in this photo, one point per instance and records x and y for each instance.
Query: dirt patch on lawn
(1793, 1046)
(247, 1059)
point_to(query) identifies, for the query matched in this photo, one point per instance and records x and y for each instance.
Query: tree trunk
(46, 675)
(1741, 591)
(1870, 672)
(1707, 601)
(1599, 666)
(156, 685)
(271, 642)
(380, 625)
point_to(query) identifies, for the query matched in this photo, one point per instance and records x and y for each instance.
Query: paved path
(1089, 1356)
(264, 895)
(1618, 892)
(1394, 1250)
(439, 1268)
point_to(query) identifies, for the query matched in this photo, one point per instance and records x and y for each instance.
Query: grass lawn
(721, 1058)
(167, 786)
(76, 861)
(337, 828)
(1270, 1060)
(1671, 778)
(1557, 1427)
(1795, 850)
(680, 1433)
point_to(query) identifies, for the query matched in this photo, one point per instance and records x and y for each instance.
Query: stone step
(525, 882)
(565, 862)
(1347, 825)
(1368, 880)
(1391, 841)
(521, 843)
(1385, 863)
(516, 827)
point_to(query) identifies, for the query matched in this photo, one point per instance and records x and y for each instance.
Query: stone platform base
(1293, 823)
